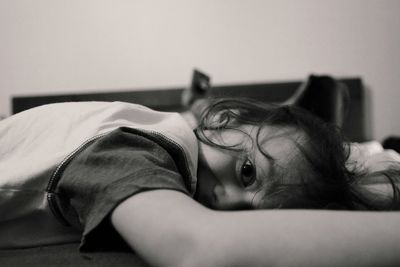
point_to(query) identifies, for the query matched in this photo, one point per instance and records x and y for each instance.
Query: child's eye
(248, 173)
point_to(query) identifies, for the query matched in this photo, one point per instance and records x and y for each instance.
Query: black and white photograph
(200, 133)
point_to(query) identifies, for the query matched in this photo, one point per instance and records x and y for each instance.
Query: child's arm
(168, 228)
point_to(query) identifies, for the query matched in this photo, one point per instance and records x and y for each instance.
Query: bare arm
(167, 228)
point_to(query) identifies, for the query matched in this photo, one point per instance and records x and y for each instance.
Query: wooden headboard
(169, 99)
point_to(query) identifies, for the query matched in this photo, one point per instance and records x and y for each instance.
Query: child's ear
(224, 118)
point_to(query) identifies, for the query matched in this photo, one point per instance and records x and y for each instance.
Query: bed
(165, 99)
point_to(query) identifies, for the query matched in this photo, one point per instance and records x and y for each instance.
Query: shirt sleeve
(111, 169)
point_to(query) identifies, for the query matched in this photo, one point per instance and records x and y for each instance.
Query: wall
(53, 46)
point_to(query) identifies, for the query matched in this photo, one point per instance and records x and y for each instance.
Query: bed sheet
(67, 255)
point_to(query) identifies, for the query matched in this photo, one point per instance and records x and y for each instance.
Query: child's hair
(327, 181)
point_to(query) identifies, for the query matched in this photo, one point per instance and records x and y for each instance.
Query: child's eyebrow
(267, 162)
(263, 162)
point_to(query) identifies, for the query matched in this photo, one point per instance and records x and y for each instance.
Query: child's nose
(231, 198)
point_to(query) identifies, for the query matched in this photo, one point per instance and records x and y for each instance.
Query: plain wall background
(53, 46)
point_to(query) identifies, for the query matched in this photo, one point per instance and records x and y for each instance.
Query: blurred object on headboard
(169, 99)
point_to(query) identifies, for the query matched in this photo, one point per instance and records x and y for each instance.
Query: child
(327, 176)
(94, 169)
(290, 158)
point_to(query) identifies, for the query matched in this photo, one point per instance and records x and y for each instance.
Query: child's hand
(382, 160)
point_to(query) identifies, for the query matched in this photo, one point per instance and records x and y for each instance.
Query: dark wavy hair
(325, 179)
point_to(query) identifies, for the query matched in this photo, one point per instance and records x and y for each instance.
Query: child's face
(239, 180)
